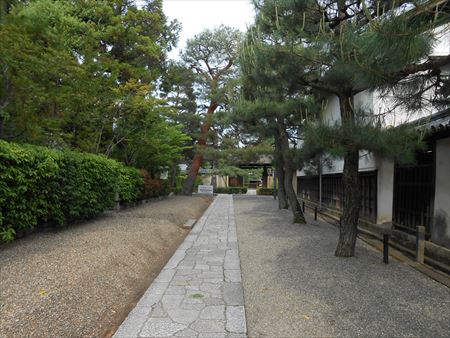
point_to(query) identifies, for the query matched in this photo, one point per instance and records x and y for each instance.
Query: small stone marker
(189, 223)
(117, 201)
(205, 189)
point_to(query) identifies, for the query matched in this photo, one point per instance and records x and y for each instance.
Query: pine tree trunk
(213, 176)
(289, 171)
(282, 199)
(188, 185)
(352, 199)
(352, 191)
(292, 196)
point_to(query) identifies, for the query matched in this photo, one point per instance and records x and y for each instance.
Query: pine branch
(433, 64)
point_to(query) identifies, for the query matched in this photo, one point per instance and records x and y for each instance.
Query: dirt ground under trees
(81, 281)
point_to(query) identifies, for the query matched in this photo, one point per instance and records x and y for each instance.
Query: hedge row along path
(83, 280)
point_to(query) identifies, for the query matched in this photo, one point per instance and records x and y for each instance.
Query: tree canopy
(212, 55)
(85, 76)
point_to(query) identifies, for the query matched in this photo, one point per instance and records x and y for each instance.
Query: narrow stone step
(189, 223)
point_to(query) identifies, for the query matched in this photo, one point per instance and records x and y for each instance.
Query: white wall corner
(440, 231)
(385, 189)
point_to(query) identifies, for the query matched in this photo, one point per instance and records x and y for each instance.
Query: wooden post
(386, 248)
(274, 184)
(420, 244)
(264, 177)
(387, 231)
(320, 183)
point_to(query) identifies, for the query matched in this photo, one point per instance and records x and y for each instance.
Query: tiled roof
(434, 123)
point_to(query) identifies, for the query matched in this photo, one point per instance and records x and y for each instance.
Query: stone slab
(189, 223)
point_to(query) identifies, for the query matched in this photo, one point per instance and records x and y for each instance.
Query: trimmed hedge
(264, 191)
(39, 186)
(231, 190)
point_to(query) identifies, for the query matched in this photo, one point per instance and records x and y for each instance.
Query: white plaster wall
(206, 180)
(222, 181)
(369, 101)
(364, 101)
(440, 232)
(366, 163)
(331, 113)
(442, 46)
(382, 106)
(401, 115)
(385, 190)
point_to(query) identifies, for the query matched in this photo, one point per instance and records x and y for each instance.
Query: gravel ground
(295, 287)
(81, 281)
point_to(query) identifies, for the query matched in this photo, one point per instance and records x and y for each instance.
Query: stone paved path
(199, 292)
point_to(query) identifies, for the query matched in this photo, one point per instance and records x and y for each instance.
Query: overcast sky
(196, 15)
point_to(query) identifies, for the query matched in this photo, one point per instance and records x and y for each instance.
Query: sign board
(205, 189)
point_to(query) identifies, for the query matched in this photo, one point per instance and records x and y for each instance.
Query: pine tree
(342, 48)
(212, 55)
(275, 100)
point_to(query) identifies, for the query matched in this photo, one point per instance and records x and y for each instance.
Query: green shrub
(264, 191)
(40, 185)
(179, 180)
(198, 181)
(131, 184)
(167, 189)
(176, 190)
(30, 187)
(231, 190)
(88, 185)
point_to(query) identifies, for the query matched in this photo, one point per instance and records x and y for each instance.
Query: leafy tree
(343, 48)
(212, 55)
(39, 74)
(85, 76)
(276, 104)
(143, 135)
(177, 89)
